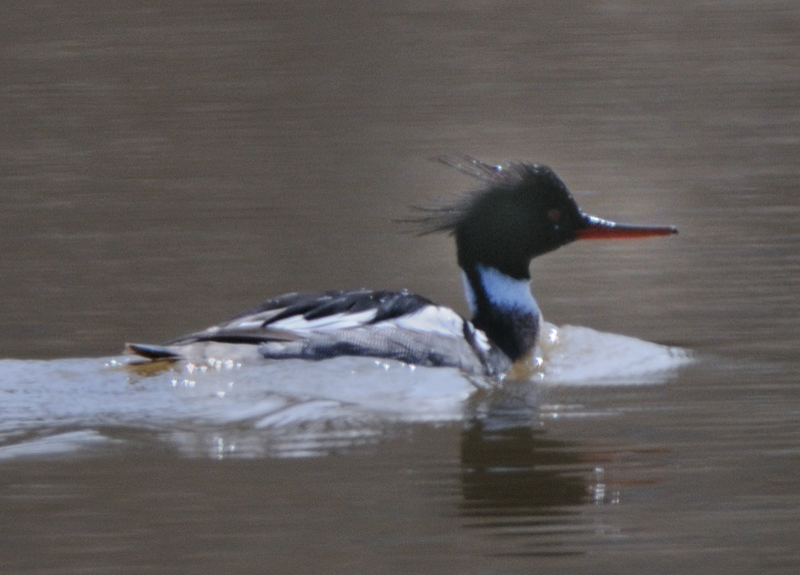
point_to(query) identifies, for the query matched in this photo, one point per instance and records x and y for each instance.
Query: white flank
(432, 319)
(481, 339)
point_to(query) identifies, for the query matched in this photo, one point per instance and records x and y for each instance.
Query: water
(164, 167)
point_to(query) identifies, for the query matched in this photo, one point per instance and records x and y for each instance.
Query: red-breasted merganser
(522, 211)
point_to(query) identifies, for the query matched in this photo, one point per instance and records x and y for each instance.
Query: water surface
(164, 167)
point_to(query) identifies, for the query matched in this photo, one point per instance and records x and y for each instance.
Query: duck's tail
(153, 352)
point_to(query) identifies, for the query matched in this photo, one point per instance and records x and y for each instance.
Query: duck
(518, 212)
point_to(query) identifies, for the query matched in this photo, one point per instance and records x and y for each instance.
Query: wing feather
(394, 325)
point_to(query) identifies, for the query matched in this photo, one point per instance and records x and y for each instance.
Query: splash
(288, 407)
(573, 355)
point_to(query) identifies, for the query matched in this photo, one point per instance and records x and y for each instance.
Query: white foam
(582, 356)
(283, 407)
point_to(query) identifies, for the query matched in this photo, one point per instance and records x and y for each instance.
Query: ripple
(289, 407)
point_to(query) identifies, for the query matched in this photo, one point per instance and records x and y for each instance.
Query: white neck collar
(501, 290)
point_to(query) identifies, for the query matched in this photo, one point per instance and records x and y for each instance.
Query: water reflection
(518, 482)
(518, 470)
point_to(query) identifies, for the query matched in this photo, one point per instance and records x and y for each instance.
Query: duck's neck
(503, 307)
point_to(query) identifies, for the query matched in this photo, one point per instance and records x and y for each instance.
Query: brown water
(165, 166)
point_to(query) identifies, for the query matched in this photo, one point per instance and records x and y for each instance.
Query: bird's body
(315, 326)
(523, 211)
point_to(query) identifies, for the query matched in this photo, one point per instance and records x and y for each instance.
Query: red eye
(554, 215)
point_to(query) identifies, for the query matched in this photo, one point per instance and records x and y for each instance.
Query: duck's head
(523, 211)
